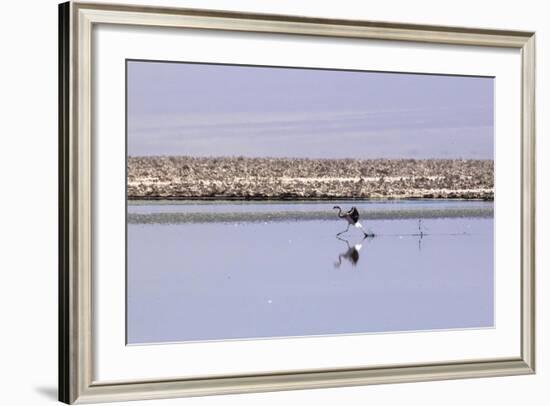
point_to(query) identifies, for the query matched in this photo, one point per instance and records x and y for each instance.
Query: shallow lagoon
(216, 271)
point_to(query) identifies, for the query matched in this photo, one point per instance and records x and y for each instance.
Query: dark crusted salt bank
(288, 178)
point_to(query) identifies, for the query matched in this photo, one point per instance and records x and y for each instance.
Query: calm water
(204, 271)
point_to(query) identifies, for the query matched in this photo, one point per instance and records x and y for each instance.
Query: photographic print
(271, 202)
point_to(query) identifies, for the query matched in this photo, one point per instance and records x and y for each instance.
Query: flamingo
(352, 217)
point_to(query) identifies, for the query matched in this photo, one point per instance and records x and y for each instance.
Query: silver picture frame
(76, 353)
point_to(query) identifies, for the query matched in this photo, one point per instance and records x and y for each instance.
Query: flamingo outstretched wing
(354, 214)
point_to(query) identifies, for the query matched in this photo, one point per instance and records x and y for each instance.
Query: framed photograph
(259, 202)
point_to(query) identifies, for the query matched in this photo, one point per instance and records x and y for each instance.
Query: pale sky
(227, 110)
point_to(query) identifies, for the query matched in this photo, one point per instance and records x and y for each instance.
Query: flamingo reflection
(352, 253)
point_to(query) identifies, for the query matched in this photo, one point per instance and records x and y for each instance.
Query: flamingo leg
(345, 231)
(365, 233)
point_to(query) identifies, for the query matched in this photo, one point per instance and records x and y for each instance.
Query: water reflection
(351, 255)
(285, 275)
(420, 234)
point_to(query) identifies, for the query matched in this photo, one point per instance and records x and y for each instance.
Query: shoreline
(200, 217)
